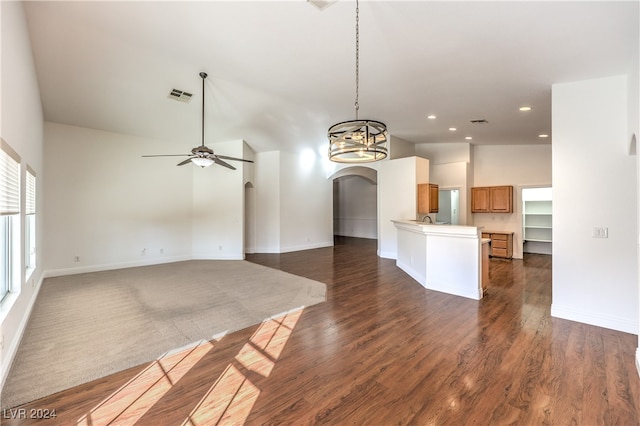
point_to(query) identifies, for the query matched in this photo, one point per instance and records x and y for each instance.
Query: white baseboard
(412, 273)
(309, 246)
(208, 256)
(475, 294)
(387, 254)
(12, 350)
(288, 249)
(618, 324)
(110, 266)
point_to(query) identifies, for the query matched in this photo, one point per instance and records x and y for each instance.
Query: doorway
(249, 219)
(449, 206)
(537, 220)
(355, 202)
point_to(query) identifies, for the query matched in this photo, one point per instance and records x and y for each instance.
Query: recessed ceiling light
(468, 138)
(543, 135)
(525, 108)
(431, 117)
(453, 129)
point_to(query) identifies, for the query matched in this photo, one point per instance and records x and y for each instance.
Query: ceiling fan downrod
(203, 156)
(203, 75)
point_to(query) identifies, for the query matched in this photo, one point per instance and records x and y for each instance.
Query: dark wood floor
(382, 350)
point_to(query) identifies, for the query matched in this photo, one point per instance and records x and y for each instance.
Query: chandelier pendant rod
(357, 104)
(357, 141)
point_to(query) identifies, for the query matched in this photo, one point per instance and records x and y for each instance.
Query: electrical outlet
(600, 232)
(143, 252)
(76, 258)
(161, 251)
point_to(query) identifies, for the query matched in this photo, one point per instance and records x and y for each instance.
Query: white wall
(451, 166)
(397, 198)
(21, 126)
(106, 204)
(443, 153)
(306, 212)
(400, 148)
(633, 97)
(266, 223)
(517, 165)
(218, 205)
(453, 176)
(595, 280)
(293, 203)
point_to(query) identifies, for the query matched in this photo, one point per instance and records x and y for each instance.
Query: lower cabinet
(501, 243)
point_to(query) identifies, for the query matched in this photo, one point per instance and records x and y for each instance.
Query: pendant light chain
(357, 104)
(358, 141)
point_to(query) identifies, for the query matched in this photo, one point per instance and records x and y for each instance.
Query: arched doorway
(249, 218)
(355, 203)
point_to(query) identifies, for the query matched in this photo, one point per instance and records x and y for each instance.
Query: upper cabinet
(492, 199)
(480, 200)
(427, 198)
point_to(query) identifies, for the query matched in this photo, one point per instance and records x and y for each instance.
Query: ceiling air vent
(479, 121)
(179, 95)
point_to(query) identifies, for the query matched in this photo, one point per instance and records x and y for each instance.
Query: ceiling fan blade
(222, 163)
(167, 155)
(233, 158)
(187, 161)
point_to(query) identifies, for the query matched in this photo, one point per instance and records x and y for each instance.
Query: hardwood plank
(381, 350)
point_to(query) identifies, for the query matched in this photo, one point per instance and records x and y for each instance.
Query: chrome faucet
(424, 219)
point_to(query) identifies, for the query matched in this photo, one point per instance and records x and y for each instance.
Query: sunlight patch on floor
(231, 398)
(139, 395)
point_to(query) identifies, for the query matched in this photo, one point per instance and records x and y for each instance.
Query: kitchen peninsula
(446, 258)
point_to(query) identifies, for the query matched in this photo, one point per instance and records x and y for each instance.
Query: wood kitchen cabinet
(501, 243)
(492, 199)
(427, 198)
(480, 200)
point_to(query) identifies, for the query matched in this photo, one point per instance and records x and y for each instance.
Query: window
(9, 218)
(30, 222)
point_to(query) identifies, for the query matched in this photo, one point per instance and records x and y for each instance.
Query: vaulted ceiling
(281, 72)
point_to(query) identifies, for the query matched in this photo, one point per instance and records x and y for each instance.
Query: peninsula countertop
(442, 257)
(434, 228)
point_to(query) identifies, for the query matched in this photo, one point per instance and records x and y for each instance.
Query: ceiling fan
(202, 155)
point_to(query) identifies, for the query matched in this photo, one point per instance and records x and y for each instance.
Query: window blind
(30, 195)
(9, 180)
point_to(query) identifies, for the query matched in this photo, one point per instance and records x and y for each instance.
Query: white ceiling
(280, 73)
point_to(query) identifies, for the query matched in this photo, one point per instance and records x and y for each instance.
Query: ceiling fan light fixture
(357, 141)
(203, 156)
(202, 161)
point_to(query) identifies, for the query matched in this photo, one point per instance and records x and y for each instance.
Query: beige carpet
(87, 326)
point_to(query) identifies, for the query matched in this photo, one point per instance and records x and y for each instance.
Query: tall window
(9, 218)
(30, 222)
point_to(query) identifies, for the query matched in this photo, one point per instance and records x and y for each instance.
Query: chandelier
(357, 141)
